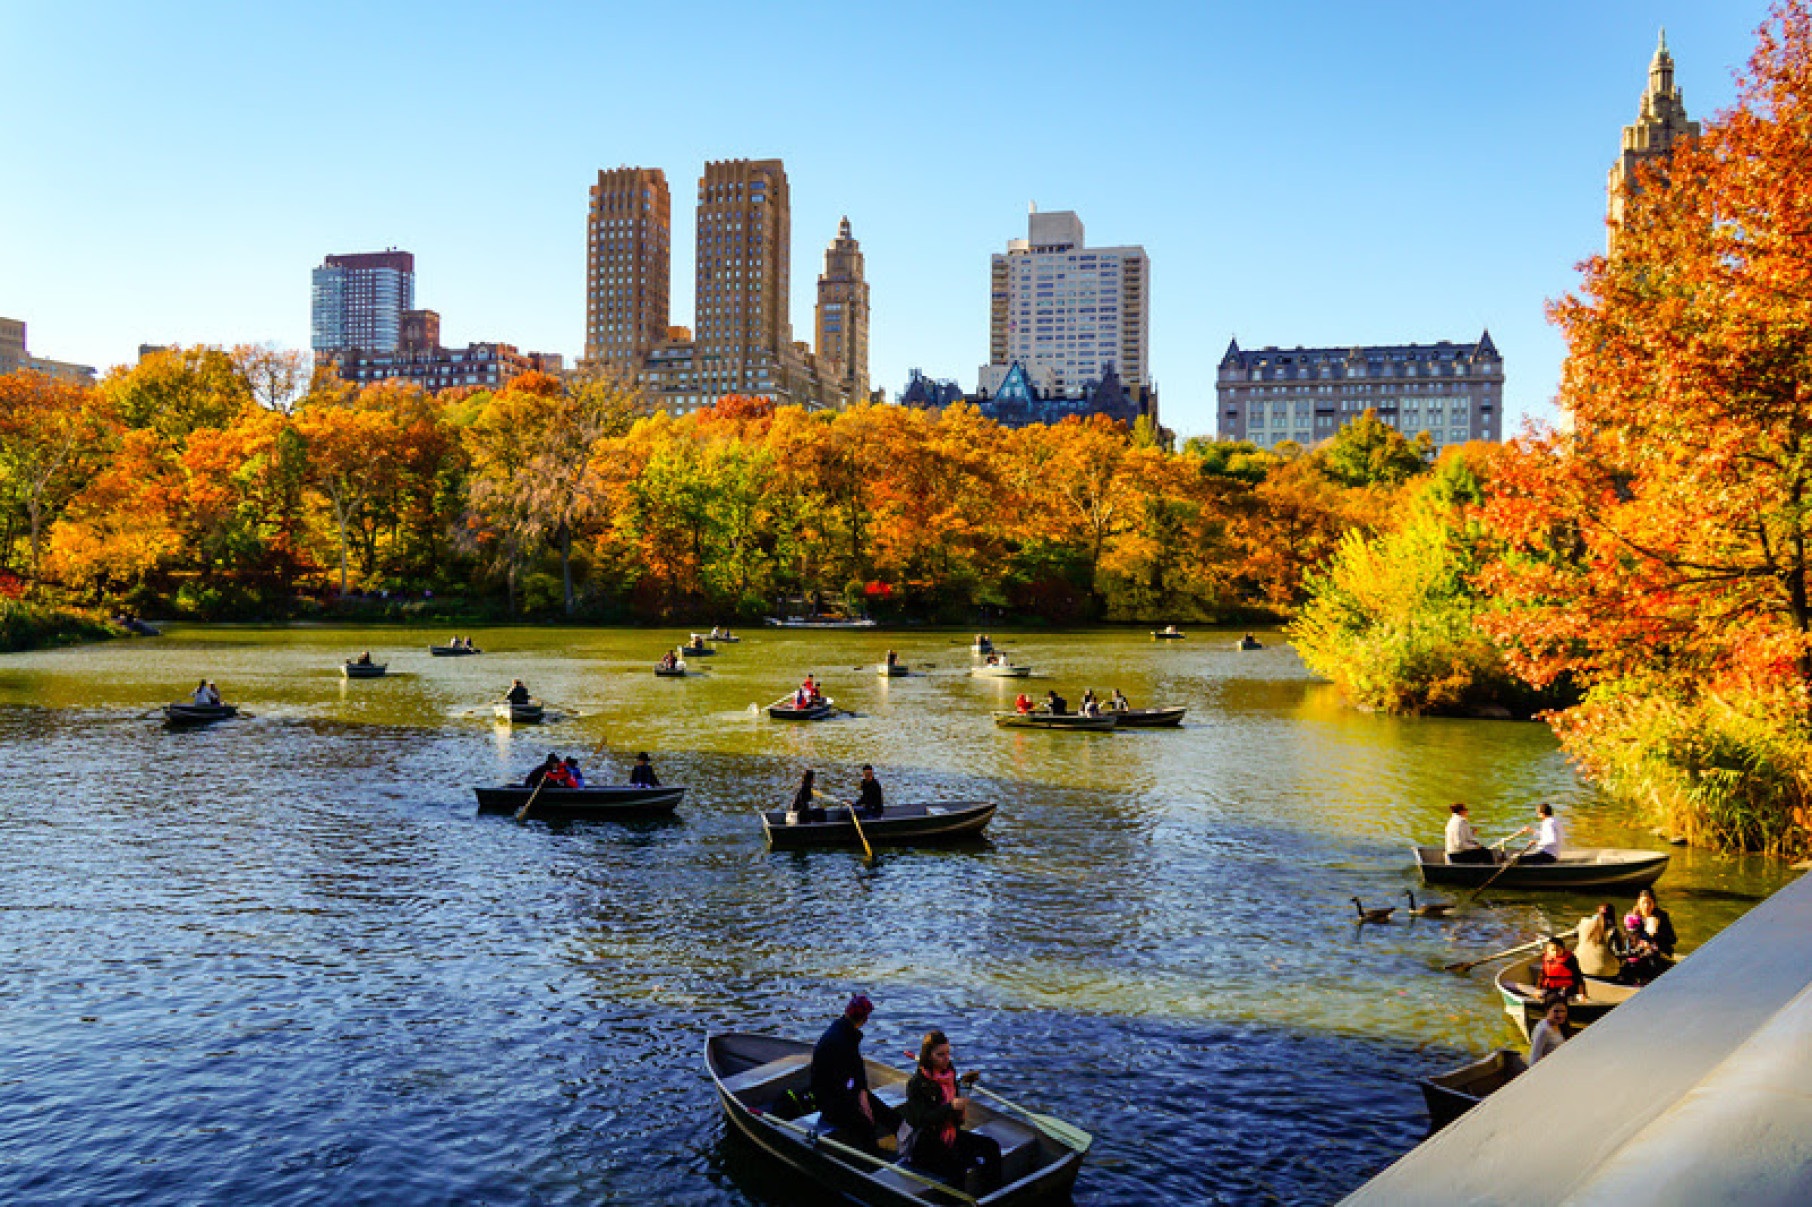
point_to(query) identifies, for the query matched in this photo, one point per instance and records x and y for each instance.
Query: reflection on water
(282, 960)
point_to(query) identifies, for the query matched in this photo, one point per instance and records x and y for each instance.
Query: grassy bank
(27, 626)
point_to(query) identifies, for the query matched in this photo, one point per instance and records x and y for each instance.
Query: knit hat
(859, 1007)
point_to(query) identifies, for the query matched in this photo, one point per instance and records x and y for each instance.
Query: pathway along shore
(1692, 1092)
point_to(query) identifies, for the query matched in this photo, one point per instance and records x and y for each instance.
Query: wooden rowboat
(1044, 720)
(671, 672)
(363, 670)
(800, 622)
(1593, 868)
(532, 713)
(1147, 718)
(197, 714)
(1247, 643)
(452, 651)
(1000, 670)
(1516, 988)
(760, 1080)
(1450, 1095)
(782, 711)
(1167, 635)
(724, 640)
(605, 803)
(898, 825)
(891, 670)
(697, 651)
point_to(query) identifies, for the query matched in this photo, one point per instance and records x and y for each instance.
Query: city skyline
(1308, 198)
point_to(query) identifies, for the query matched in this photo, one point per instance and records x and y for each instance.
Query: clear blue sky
(1300, 173)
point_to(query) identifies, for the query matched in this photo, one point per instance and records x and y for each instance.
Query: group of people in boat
(935, 1110)
(719, 634)
(364, 658)
(805, 809)
(1463, 846)
(671, 661)
(566, 773)
(461, 643)
(808, 694)
(1635, 953)
(1057, 706)
(984, 643)
(206, 695)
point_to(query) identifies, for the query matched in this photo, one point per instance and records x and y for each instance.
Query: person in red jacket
(1559, 972)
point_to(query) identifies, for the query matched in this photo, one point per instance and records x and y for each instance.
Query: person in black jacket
(642, 774)
(840, 1084)
(868, 796)
(518, 693)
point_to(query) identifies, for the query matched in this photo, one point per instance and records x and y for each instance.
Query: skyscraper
(745, 226)
(1661, 123)
(842, 336)
(1066, 312)
(629, 270)
(359, 301)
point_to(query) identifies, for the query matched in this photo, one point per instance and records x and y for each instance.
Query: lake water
(282, 961)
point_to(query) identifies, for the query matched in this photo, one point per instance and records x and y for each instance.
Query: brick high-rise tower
(842, 336)
(629, 234)
(745, 227)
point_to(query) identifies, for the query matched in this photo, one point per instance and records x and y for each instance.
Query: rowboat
(1167, 635)
(1000, 670)
(363, 670)
(926, 822)
(782, 711)
(1045, 720)
(1248, 643)
(532, 713)
(890, 670)
(724, 640)
(697, 651)
(1516, 987)
(800, 622)
(452, 651)
(760, 1080)
(671, 672)
(1147, 718)
(197, 714)
(582, 804)
(1578, 868)
(982, 648)
(1450, 1095)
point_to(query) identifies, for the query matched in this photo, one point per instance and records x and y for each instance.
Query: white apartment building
(1065, 311)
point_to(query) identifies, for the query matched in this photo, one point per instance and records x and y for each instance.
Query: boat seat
(758, 1085)
(1018, 1146)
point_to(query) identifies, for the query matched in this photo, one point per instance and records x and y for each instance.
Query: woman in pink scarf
(935, 1108)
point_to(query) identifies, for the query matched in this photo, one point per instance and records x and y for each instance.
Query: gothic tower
(843, 317)
(1660, 125)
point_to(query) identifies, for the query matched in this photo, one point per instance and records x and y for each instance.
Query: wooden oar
(1469, 965)
(1066, 1134)
(1506, 866)
(838, 1146)
(851, 806)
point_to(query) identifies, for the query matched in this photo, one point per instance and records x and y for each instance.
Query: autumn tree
(50, 432)
(1659, 550)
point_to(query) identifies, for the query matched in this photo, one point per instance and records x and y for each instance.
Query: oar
(1507, 865)
(851, 806)
(1066, 1134)
(837, 1146)
(1469, 965)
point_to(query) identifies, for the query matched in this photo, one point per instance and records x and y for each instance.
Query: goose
(1428, 909)
(1373, 915)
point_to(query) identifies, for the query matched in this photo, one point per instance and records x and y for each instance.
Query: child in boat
(1023, 705)
(1560, 972)
(575, 777)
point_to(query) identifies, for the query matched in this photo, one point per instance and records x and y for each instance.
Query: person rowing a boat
(642, 774)
(518, 695)
(1547, 836)
(935, 1108)
(868, 794)
(1055, 704)
(364, 659)
(541, 771)
(804, 808)
(202, 697)
(1462, 844)
(840, 1083)
(670, 660)
(893, 659)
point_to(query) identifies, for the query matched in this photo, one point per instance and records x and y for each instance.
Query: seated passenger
(840, 1083)
(642, 774)
(1462, 844)
(868, 794)
(1599, 946)
(1121, 703)
(1559, 971)
(937, 1109)
(574, 775)
(1023, 705)
(1551, 1031)
(804, 808)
